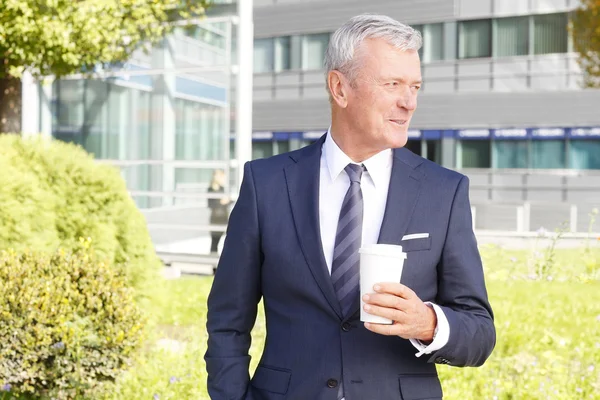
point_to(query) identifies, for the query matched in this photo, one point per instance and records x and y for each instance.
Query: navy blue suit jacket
(273, 251)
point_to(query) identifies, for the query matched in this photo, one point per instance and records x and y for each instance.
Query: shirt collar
(337, 160)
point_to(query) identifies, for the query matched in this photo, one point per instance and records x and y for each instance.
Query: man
(294, 234)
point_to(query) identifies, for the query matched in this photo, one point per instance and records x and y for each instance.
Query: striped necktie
(345, 265)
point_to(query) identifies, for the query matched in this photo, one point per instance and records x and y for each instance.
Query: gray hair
(346, 39)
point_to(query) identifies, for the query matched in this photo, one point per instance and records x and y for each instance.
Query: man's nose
(407, 100)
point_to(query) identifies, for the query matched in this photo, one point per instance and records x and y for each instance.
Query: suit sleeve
(234, 298)
(462, 294)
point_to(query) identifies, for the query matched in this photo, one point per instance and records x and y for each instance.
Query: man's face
(383, 97)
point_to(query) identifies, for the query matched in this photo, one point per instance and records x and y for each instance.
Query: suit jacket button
(332, 383)
(346, 326)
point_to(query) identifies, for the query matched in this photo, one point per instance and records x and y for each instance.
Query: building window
(314, 51)
(283, 53)
(474, 39)
(296, 52)
(212, 36)
(550, 33)
(511, 37)
(263, 55)
(434, 151)
(198, 136)
(414, 145)
(548, 154)
(262, 149)
(433, 42)
(584, 154)
(474, 154)
(281, 146)
(511, 154)
(68, 105)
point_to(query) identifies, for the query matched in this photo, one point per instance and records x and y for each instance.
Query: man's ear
(338, 88)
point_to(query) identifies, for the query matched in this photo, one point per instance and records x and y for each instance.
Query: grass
(548, 332)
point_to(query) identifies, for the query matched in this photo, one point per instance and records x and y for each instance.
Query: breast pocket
(419, 244)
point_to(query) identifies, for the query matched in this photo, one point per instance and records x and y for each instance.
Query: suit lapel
(405, 187)
(403, 194)
(303, 188)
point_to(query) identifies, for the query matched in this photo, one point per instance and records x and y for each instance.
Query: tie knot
(354, 172)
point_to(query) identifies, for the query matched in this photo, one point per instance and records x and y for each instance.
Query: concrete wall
(450, 111)
(286, 18)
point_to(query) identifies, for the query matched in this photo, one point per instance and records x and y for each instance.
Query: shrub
(53, 193)
(69, 324)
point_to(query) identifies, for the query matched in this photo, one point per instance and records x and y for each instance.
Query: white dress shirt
(334, 183)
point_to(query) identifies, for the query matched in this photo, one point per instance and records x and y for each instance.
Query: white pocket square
(415, 236)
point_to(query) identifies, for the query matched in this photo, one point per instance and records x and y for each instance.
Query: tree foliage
(61, 37)
(586, 39)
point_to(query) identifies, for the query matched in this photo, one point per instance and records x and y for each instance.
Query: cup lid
(388, 250)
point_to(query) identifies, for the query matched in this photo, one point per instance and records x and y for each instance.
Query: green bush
(53, 193)
(69, 324)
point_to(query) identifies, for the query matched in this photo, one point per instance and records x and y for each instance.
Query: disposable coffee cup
(378, 263)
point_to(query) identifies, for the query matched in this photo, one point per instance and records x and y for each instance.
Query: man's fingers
(385, 312)
(387, 330)
(386, 300)
(397, 289)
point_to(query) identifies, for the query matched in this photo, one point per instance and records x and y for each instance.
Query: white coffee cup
(378, 263)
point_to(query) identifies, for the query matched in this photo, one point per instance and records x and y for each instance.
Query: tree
(61, 37)
(585, 27)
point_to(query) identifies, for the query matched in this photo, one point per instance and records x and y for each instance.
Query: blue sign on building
(548, 133)
(414, 134)
(510, 134)
(467, 134)
(432, 134)
(533, 133)
(584, 133)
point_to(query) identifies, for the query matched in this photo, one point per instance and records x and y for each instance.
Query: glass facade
(511, 154)
(511, 37)
(198, 137)
(148, 114)
(283, 53)
(433, 42)
(584, 154)
(314, 51)
(474, 154)
(550, 33)
(108, 120)
(262, 149)
(548, 154)
(474, 39)
(264, 53)
(498, 37)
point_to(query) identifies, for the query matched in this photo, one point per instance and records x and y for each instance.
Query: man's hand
(412, 318)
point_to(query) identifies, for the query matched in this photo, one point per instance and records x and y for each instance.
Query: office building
(501, 82)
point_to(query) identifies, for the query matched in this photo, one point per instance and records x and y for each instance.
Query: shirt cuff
(440, 336)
